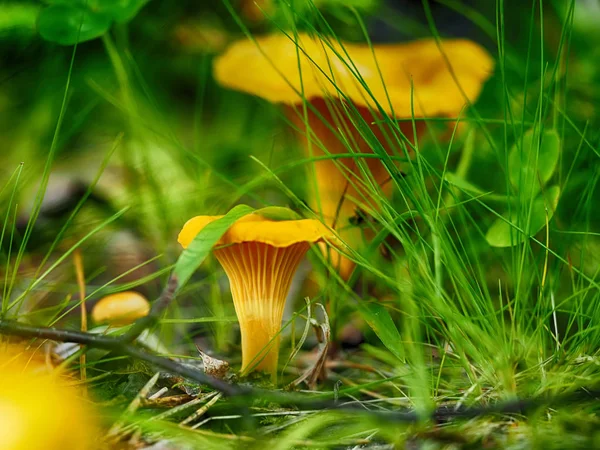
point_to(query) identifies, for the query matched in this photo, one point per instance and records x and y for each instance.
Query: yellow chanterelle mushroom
(260, 257)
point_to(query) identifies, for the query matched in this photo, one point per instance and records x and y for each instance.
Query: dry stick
(158, 307)
(158, 394)
(134, 405)
(201, 411)
(78, 263)
(168, 402)
(135, 438)
(116, 345)
(178, 409)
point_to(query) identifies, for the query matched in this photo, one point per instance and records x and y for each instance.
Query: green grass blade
(191, 258)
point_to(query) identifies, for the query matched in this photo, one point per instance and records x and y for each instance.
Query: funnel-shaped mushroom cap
(273, 67)
(260, 257)
(121, 309)
(256, 228)
(38, 409)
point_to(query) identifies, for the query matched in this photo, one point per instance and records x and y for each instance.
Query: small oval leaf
(528, 169)
(69, 24)
(505, 233)
(277, 213)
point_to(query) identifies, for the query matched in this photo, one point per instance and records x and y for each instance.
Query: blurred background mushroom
(354, 93)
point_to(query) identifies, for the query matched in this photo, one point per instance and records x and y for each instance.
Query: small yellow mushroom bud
(121, 309)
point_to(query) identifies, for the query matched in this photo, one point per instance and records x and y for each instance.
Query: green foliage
(381, 322)
(530, 166)
(532, 162)
(67, 22)
(277, 213)
(506, 232)
(121, 11)
(191, 258)
(17, 20)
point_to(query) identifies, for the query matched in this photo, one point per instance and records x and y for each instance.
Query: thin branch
(116, 345)
(242, 394)
(12, 328)
(125, 345)
(158, 307)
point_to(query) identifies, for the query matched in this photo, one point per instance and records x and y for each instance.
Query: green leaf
(191, 258)
(277, 213)
(380, 321)
(69, 24)
(528, 169)
(120, 10)
(499, 234)
(18, 20)
(461, 183)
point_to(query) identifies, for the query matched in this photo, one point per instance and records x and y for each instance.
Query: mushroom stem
(339, 181)
(260, 276)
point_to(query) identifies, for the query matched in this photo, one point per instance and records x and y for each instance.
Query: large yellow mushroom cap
(278, 68)
(255, 228)
(121, 308)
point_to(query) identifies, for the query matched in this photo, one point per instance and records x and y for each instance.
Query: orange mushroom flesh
(256, 10)
(339, 182)
(419, 79)
(260, 257)
(121, 309)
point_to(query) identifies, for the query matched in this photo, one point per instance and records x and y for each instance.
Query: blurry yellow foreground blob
(419, 79)
(38, 410)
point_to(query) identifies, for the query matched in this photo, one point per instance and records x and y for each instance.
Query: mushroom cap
(273, 67)
(256, 228)
(120, 309)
